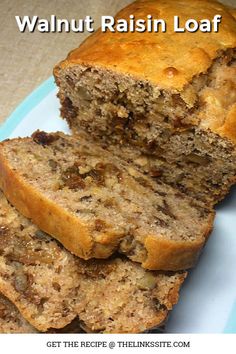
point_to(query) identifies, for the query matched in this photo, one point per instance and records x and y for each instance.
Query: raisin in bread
(50, 286)
(171, 111)
(95, 204)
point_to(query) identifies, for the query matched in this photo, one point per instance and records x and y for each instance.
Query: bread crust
(161, 253)
(153, 53)
(77, 237)
(228, 128)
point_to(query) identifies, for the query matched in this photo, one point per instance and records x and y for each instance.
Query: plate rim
(31, 101)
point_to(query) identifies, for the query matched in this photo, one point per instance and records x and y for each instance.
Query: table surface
(27, 59)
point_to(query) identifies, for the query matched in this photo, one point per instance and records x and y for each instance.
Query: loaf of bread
(166, 101)
(51, 287)
(95, 204)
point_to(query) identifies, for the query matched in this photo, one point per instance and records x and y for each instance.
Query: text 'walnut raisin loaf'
(95, 203)
(166, 101)
(51, 287)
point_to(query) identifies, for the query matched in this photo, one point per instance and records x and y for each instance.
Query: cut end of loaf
(185, 139)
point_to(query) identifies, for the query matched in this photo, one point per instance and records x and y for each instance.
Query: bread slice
(95, 204)
(172, 111)
(28, 261)
(51, 287)
(11, 320)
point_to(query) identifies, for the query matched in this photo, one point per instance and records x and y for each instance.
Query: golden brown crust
(148, 55)
(225, 128)
(161, 252)
(228, 129)
(77, 237)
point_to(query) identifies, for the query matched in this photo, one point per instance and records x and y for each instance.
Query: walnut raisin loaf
(167, 101)
(95, 203)
(50, 286)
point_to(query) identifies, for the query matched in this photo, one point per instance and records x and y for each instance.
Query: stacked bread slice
(12, 321)
(51, 287)
(97, 206)
(98, 229)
